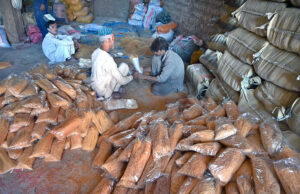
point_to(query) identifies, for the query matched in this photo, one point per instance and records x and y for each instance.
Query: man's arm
(147, 77)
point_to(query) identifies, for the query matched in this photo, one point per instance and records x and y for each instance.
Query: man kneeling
(167, 69)
(106, 76)
(58, 48)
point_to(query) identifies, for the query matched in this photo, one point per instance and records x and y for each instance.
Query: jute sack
(210, 60)
(279, 67)
(233, 71)
(272, 96)
(199, 77)
(249, 103)
(284, 31)
(252, 15)
(218, 90)
(295, 3)
(294, 121)
(217, 43)
(243, 44)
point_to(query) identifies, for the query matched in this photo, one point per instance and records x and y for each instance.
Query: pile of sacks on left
(42, 111)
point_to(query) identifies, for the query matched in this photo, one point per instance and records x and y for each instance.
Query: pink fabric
(34, 34)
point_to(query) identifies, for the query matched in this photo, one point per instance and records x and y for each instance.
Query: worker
(107, 78)
(40, 9)
(58, 48)
(167, 71)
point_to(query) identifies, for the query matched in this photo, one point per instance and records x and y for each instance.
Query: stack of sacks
(196, 147)
(217, 43)
(42, 112)
(154, 8)
(137, 18)
(77, 10)
(198, 79)
(166, 31)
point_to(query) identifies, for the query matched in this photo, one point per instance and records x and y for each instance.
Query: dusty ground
(74, 174)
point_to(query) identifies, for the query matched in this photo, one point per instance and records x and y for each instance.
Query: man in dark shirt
(40, 9)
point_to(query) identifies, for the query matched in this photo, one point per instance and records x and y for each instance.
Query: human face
(160, 53)
(53, 29)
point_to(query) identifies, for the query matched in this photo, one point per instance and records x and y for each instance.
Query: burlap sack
(252, 15)
(232, 70)
(243, 44)
(272, 96)
(279, 67)
(283, 30)
(198, 77)
(217, 43)
(219, 90)
(210, 60)
(294, 121)
(249, 103)
(295, 3)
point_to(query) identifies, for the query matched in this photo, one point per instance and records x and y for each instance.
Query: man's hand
(136, 75)
(42, 8)
(76, 43)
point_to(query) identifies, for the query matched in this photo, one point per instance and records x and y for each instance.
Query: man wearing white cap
(106, 76)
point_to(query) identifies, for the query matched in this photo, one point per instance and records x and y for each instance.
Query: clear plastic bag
(245, 122)
(232, 110)
(224, 128)
(271, 137)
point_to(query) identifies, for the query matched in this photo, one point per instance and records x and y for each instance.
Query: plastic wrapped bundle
(66, 128)
(240, 142)
(43, 147)
(105, 186)
(224, 130)
(76, 142)
(288, 172)
(264, 176)
(192, 112)
(104, 152)
(271, 137)
(24, 161)
(114, 168)
(33, 102)
(123, 138)
(208, 149)
(252, 15)
(243, 44)
(90, 141)
(22, 138)
(38, 130)
(6, 164)
(195, 166)
(4, 126)
(232, 110)
(49, 116)
(175, 134)
(21, 120)
(232, 188)
(161, 142)
(17, 85)
(30, 90)
(102, 121)
(57, 101)
(226, 164)
(205, 185)
(19, 108)
(56, 151)
(183, 159)
(188, 185)
(46, 85)
(15, 153)
(283, 29)
(245, 123)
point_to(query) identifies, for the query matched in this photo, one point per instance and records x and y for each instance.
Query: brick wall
(112, 8)
(196, 17)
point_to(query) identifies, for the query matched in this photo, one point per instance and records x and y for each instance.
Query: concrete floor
(74, 174)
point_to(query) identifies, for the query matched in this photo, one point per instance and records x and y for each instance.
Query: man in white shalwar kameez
(57, 48)
(106, 76)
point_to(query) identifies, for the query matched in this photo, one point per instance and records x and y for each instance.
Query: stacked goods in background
(196, 147)
(46, 111)
(78, 10)
(137, 13)
(260, 62)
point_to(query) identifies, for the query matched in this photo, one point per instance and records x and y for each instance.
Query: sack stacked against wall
(283, 30)
(217, 43)
(210, 60)
(243, 44)
(279, 67)
(78, 10)
(252, 15)
(196, 147)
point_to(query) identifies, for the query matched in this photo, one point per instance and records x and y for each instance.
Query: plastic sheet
(195, 166)
(43, 147)
(264, 176)
(288, 172)
(90, 140)
(226, 164)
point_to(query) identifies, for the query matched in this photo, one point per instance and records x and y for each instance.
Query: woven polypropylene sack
(295, 3)
(198, 76)
(279, 67)
(284, 30)
(210, 60)
(252, 15)
(243, 44)
(232, 70)
(217, 43)
(272, 96)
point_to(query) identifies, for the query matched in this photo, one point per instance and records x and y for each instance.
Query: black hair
(159, 44)
(50, 22)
